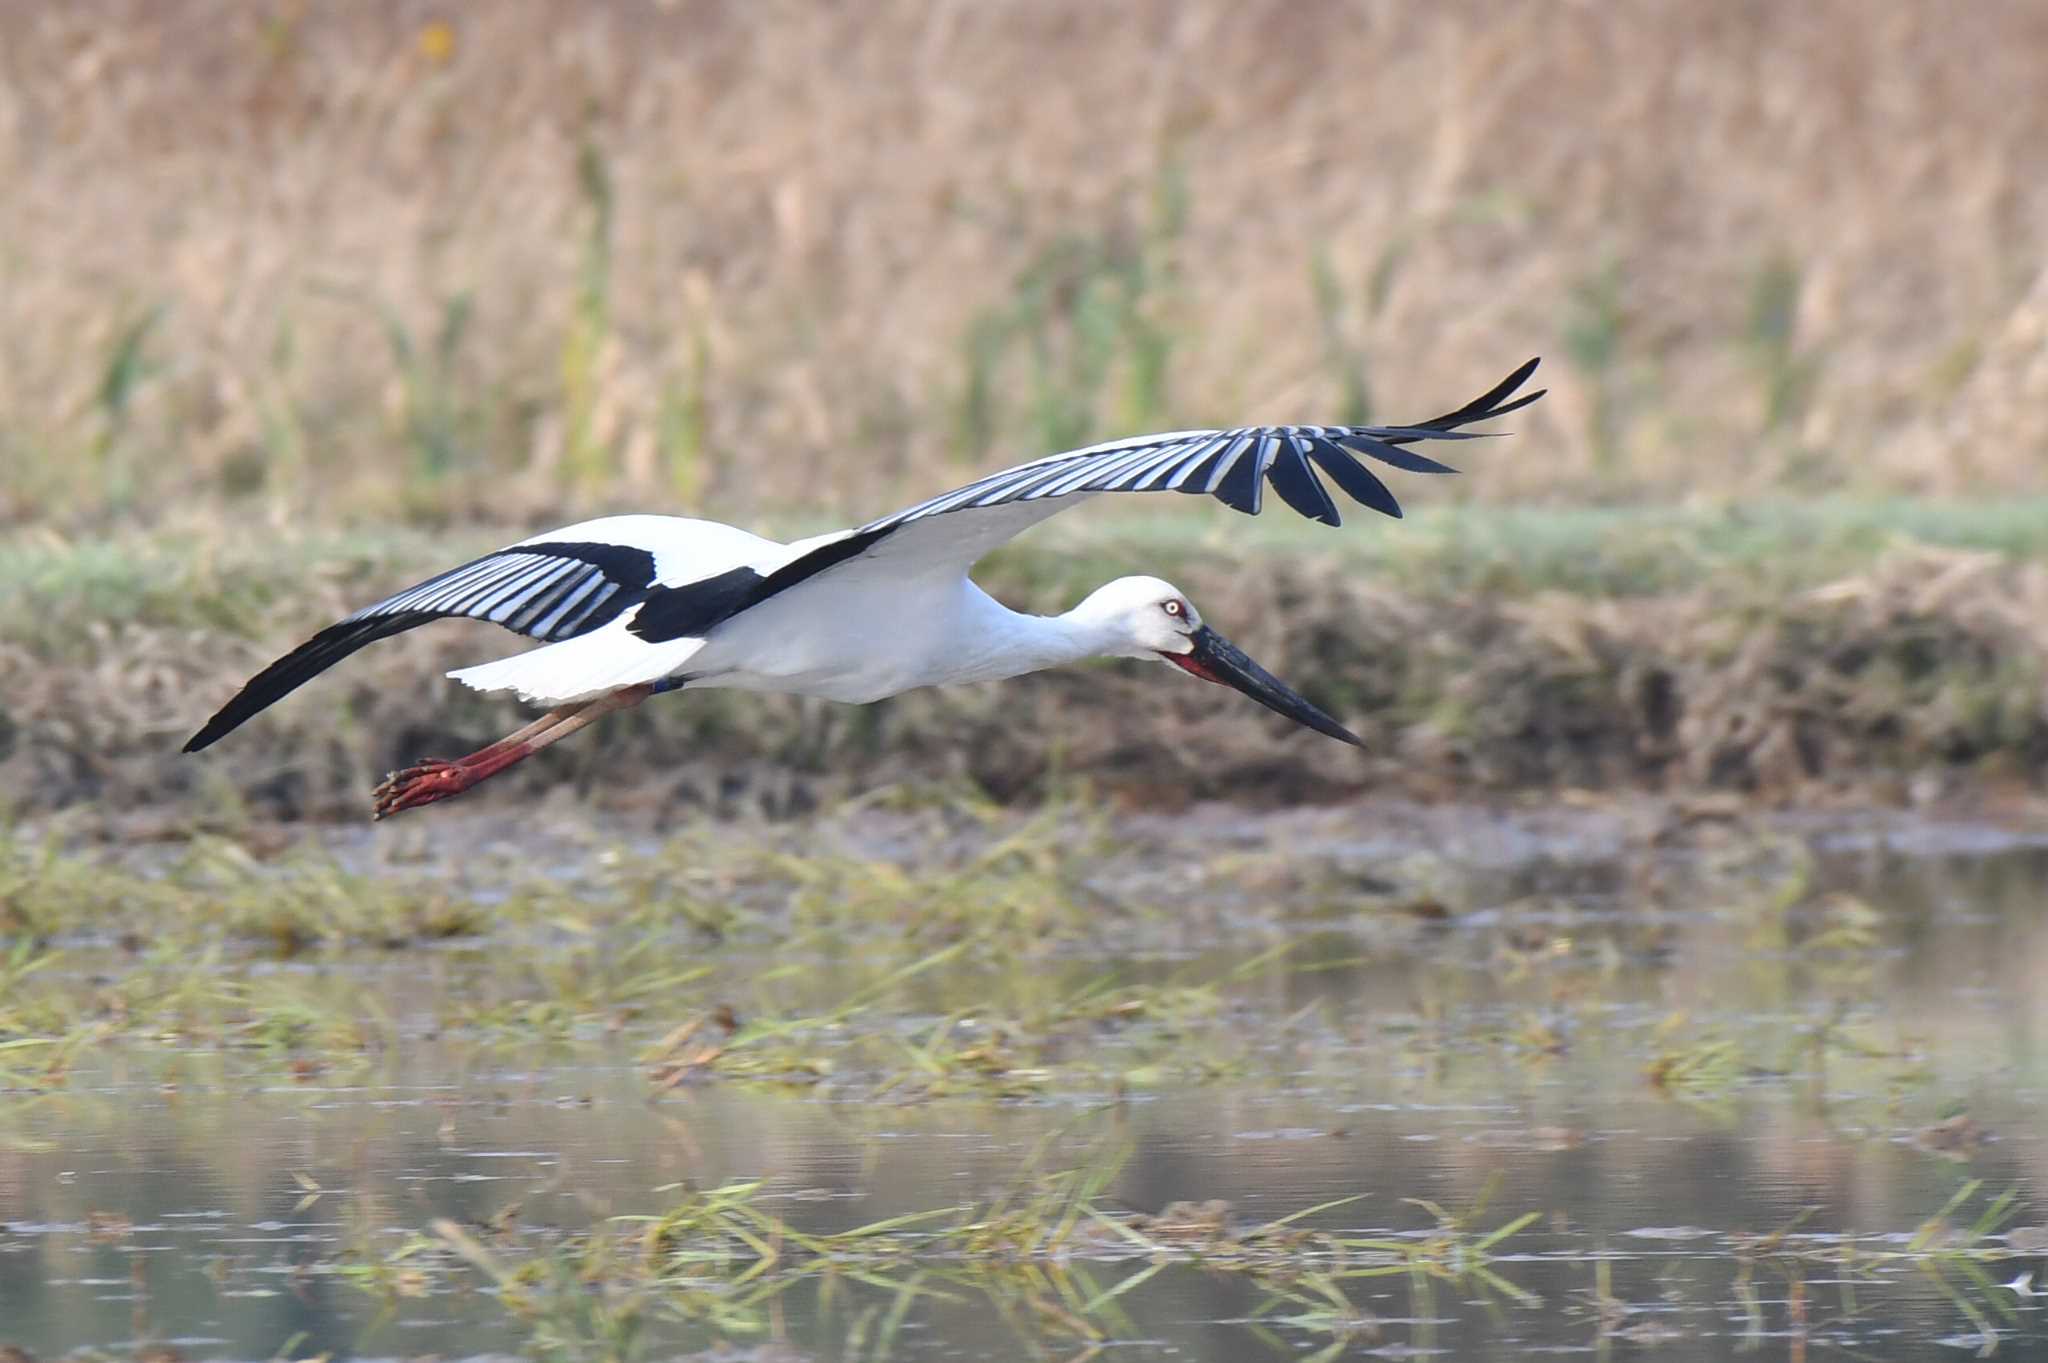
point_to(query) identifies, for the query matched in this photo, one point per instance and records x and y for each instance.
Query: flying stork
(627, 607)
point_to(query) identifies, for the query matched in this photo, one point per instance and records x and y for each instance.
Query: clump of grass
(437, 429)
(1702, 1070)
(924, 1000)
(1003, 1034)
(1949, 1253)
(126, 369)
(1344, 354)
(1086, 313)
(581, 990)
(1594, 334)
(586, 456)
(722, 1257)
(168, 1004)
(313, 902)
(1787, 373)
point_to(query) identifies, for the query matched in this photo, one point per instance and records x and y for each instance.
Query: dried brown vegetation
(1893, 679)
(384, 257)
(349, 263)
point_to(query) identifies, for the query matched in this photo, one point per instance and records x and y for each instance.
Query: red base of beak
(1186, 662)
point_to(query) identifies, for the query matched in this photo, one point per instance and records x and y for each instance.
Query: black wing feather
(1488, 404)
(1242, 483)
(1406, 460)
(1298, 485)
(548, 591)
(300, 666)
(1232, 466)
(1356, 480)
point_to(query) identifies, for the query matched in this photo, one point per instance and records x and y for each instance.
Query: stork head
(1143, 617)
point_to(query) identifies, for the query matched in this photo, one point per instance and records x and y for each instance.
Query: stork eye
(1173, 608)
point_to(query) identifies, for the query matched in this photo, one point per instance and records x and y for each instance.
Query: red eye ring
(1173, 607)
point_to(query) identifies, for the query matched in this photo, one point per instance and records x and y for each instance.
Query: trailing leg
(436, 778)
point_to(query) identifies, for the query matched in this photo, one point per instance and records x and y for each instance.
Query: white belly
(849, 643)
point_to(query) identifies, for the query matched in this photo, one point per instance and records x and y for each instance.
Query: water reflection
(1663, 1080)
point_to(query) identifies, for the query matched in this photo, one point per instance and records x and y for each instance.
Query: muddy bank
(1912, 677)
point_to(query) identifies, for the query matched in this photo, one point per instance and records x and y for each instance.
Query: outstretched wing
(548, 590)
(555, 589)
(952, 531)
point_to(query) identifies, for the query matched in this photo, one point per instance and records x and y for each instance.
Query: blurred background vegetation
(303, 300)
(352, 262)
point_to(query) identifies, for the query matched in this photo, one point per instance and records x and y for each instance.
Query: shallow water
(1661, 1066)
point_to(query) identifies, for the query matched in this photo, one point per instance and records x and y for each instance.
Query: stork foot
(422, 783)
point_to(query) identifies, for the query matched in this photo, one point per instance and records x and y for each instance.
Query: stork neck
(998, 642)
(1037, 642)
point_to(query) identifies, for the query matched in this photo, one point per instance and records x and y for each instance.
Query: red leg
(436, 778)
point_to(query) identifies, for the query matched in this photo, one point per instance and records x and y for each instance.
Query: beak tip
(1216, 659)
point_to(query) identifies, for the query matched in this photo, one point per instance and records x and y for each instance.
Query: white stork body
(839, 641)
(628, 606)
(866, 631)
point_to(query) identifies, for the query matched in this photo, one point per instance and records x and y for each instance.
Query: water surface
(1733, 1078)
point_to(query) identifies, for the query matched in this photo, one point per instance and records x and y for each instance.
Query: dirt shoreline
(1904, 683)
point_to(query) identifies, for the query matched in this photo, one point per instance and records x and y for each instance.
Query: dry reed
(354, 261)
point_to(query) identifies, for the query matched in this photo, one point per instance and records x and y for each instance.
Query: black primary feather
(547, 591)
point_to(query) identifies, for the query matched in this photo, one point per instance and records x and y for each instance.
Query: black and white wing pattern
(1234, 466)
(548, 590)
(691, 576)
(956, 528)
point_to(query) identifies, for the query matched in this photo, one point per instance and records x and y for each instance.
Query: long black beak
(1214, 658)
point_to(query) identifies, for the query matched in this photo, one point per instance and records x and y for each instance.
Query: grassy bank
(1790, 650)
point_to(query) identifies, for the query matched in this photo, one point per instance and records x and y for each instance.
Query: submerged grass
(1051, 1254)
(1057, 1259)
(930, 955)
(894, 976)
(919, 949)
